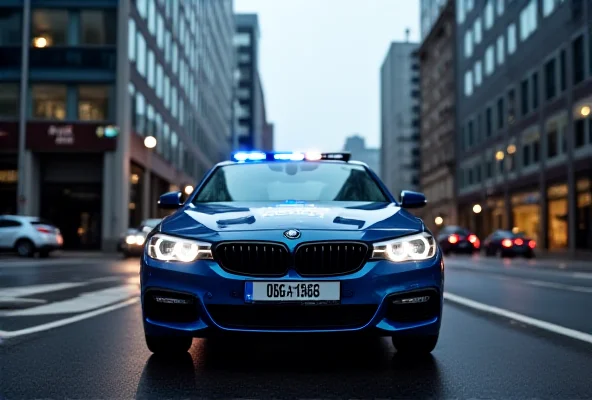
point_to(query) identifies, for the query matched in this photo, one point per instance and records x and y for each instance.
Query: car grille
(330, 258)
(291, 316)
(253, 258)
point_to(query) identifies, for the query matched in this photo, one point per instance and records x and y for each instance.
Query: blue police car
(291, 243)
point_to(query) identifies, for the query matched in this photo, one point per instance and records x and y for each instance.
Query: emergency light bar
(253, 156)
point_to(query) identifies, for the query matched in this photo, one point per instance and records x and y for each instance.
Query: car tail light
(507, 243)
(43, 230)
(518, 242)
(474, 240)
(532, 244)
(453, 238)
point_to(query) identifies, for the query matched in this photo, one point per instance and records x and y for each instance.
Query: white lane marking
(558, 329)
(561, 286)
(84, 302)
(584, 275)
(54, 263)
(66, 321)
(16, 300)
(22, 291)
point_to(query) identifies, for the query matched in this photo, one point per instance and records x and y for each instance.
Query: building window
(93, 102)
(49, 101)
(511, 106)
(500, 50)
(552, 142)
(500, 7)
(167, 46)
(167, 92)
(142, 6)
(580, 133)
(550, 85)
(562, 70)
(526, 155)
(468, 83)
(535, 90)
(150, 121)
(152, 17)
(500, 113)
(151, 69)
(524, 96)
(97, 28)
(489, 14)
(528, 20)
(175, 59)
(246, 57)
(131, 39)
(548, 7)
(159, 80)
(488, 122)
(242, 39)
(470, 134)
(141, 54)
(11, 27)
(140, 114)
(511, 38)
(578, 60)
(160, 32)
(478, 73)
(489, 60)
(174, 101)
(477, 31)
(49, 28)
(10, 100)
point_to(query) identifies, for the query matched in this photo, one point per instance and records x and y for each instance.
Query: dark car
(291, 243)
(132, 242)
(455, 239)
(504, 243)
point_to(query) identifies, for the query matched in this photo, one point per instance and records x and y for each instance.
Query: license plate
(464, 244)
(292, 291)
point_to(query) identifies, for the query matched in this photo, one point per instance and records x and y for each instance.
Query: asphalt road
(68, 332)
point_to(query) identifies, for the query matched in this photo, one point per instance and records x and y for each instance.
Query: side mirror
(170, 201)
(411, 199)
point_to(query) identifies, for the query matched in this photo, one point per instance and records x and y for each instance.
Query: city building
(249, 113)
(88, 83)
(356, 145)
(400, 108)
(429, 12)
(524, 149)
(437, 132)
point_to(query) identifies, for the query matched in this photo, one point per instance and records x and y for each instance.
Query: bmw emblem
(292, 234)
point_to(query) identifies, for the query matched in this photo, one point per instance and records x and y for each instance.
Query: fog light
(169, 300)
(412, 300)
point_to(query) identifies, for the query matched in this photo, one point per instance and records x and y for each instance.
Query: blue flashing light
(244, 156)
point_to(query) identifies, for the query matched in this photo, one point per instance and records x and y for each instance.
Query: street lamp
(150, 144)
(477, 208)
(188, 190)
(439, 221)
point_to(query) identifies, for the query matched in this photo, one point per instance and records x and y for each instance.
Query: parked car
(27, 235)
(504, 243)
(455, 239)
(132, 242)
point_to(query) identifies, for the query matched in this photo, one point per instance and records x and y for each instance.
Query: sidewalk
(564, 255)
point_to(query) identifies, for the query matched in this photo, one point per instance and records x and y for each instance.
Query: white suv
(28, 235)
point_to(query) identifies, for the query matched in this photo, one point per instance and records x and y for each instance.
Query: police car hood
(208, 218)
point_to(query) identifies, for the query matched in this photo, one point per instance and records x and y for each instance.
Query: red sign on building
(50, 136)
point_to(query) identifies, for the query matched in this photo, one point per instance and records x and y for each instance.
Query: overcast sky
(320, 63)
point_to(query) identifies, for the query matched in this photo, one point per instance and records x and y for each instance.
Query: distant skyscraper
(356, 145)
(429, 13)
(400, 97)
(249, 112)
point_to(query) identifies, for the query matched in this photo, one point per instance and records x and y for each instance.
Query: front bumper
(210, 301)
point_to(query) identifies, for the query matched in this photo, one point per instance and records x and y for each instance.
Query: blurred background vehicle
(505, 243)
(456, 239)
(131, 242)
(27, 235)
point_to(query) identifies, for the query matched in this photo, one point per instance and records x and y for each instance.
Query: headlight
(417, 247)
(169, 248)
(135, 239)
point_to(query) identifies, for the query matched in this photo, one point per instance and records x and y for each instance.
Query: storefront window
(557, 216)
(584, 214)
(526, 214)
(49, 101)
(135, 201)
(93, 102)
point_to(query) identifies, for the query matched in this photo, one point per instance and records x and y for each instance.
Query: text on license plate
(292, 291)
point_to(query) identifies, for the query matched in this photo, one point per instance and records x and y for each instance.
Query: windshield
(298, 181)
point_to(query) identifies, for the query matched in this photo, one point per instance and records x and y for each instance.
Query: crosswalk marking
(23, 291)
(85, 302)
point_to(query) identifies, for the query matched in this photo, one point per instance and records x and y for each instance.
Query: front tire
(415, 345)
(168, 345)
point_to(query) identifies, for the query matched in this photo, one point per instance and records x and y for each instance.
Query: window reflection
(93, 102)
(97, 27)
(49, 101)
(10, 27)
(49, 28)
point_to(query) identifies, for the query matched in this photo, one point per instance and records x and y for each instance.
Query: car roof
(20, 217)
(354, 162)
